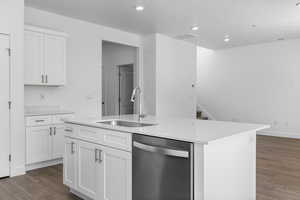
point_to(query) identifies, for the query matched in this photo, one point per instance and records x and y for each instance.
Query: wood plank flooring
(41, 184)
(278, 176)
(278, 168)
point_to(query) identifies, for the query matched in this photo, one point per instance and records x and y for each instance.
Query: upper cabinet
(45, 57)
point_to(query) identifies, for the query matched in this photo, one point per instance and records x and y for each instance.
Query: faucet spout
(137, 91)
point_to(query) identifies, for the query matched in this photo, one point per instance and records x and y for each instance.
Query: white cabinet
(87, 168)
(70, 161)
(44, 138)
(55, 59)
(33, 57)
(38, 144)
(45, 57)
(102, 172)
(58, 141)
(114, 177)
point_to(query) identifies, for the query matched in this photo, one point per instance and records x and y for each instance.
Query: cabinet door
(38, 144)
(114, 177)
(70, 156)
(55, 59)
(87, 169)
(33, 58)
(58, 141)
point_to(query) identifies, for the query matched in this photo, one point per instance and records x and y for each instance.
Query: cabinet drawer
(105, 137)
(38, 120)
(70, 130)
(117, 139)
(59, 119)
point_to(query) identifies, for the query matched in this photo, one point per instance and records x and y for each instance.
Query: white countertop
(47, 112)
(190, 130)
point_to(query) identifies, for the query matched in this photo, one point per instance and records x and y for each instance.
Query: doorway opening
(119, 78)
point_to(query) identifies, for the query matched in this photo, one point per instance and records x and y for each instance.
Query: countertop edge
(107, 127)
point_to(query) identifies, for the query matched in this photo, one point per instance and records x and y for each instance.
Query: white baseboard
(17, 171)
(43, 164)
(79, 194)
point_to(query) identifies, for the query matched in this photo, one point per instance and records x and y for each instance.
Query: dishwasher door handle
(160, 150)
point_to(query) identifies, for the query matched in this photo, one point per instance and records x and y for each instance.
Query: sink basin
(125, 123)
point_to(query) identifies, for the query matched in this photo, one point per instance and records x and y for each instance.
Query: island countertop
(183, 129)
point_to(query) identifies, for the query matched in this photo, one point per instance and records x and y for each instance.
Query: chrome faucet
(137, 91)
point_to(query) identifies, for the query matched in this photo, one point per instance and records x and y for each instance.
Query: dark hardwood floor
(278, 176)
(41, 184)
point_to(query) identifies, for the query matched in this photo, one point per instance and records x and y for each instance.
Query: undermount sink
(124, 123)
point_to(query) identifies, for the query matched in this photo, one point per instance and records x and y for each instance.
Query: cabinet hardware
(100, 156)
(9, 51)
(54, 130)
(68, 130)
(96, 155)
(9, 105)
(72, 148)
(39, 120)
(43, 80)
(50, 131)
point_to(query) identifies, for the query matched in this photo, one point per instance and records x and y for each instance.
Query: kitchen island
(98, 155)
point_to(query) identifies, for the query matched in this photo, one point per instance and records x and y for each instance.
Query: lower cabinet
(58, 141)
(45, 138)
(99, 172)
(38, 144)
(116, 175)
(70, 162)
(44, 143)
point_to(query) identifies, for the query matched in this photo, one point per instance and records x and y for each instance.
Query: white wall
(257, 83)
(12, 22)
(169, 73)
(114, 54)
(82, 92)
(149, 75)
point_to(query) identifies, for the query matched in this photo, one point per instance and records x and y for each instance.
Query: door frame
(10, 100)
(138, 79)
(118, 85)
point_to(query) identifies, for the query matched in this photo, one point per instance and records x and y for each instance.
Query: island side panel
(198, 172)
(230, 168)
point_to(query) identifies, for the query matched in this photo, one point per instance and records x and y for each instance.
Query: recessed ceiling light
(139, 7)
(226, 39)
(195, 28)
(298, 4)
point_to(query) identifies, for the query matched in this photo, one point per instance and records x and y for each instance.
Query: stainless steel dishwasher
(162, 169)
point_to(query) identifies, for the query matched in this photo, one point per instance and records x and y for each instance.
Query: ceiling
(273, 19)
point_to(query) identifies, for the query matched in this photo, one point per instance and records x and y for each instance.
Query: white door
(70, 155)
(58, 141)
(125, 89)
(38, 144)
(4, 110)
(55, 59)
(33, 57)
(114, 174)
(87, 169)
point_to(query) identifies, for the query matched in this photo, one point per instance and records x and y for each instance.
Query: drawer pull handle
(68, 130)
(72, 148)
(39, 120)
